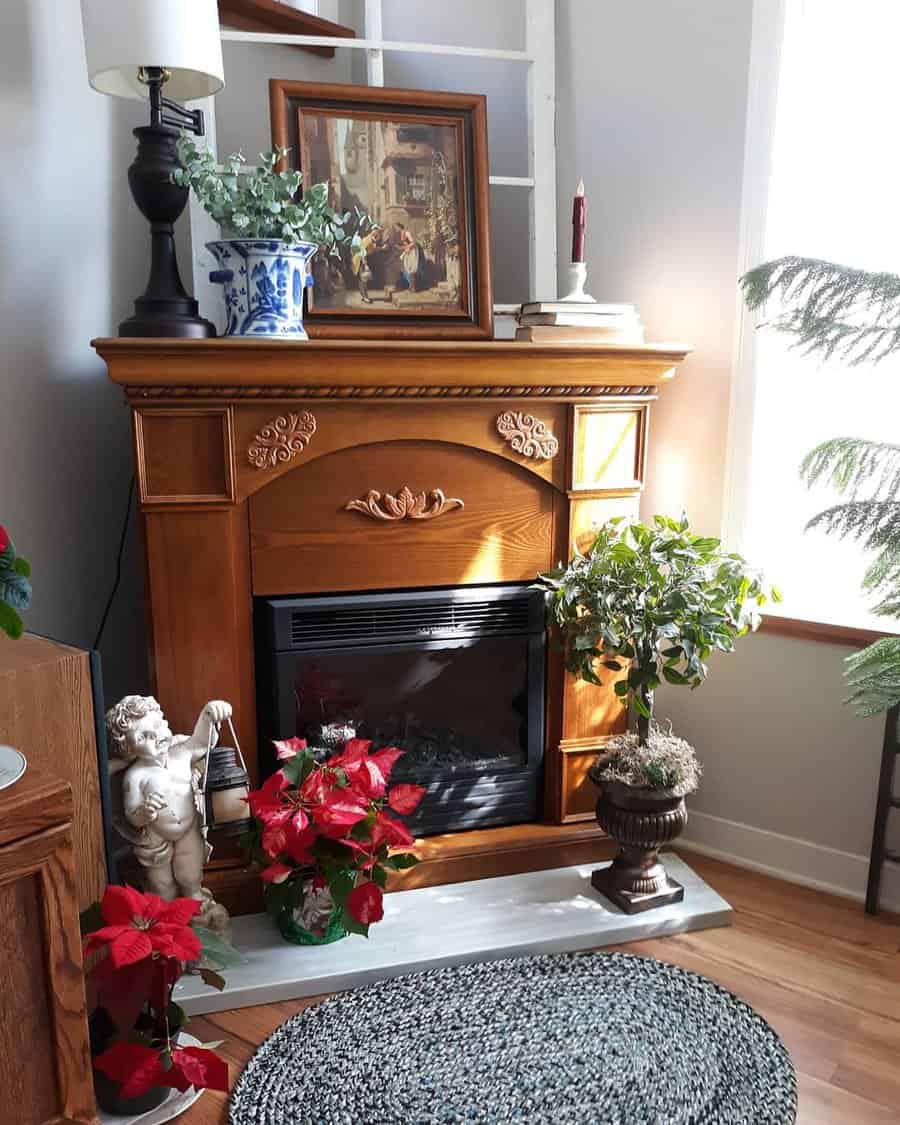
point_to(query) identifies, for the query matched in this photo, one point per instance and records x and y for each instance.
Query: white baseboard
(789, 858)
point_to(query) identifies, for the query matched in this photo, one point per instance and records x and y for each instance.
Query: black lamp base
(152, 319)
(165, 308)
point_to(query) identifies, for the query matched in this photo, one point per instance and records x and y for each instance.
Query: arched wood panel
(304, 539)
(270, 442)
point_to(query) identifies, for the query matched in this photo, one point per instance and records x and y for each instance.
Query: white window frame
(762, 102)
(540, 58)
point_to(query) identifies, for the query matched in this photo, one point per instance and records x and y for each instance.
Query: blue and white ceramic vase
(263, 281)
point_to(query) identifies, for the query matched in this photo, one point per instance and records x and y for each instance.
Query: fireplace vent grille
(419, 621)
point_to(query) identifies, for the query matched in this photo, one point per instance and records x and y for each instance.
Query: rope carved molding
(527, 435)
(406, 505)
(319, 392)
(281, 439)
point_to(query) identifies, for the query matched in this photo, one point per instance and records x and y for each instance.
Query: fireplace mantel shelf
(385, 368)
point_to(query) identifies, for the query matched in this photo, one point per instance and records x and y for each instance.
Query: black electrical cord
(114, 590)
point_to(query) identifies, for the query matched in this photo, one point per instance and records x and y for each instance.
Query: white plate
(174, 1105)
(12, 766)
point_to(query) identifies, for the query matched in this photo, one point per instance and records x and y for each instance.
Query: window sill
(847, 635)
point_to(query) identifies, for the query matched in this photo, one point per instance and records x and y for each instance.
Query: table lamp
(138, 49)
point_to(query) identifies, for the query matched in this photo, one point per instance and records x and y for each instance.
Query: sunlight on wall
(673, 481)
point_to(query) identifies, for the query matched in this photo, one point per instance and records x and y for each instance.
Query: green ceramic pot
(315, 921)
(292, 931)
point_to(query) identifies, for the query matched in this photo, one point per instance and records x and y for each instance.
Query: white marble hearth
(553, 911)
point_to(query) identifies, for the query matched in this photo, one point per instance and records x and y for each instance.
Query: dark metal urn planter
(640, 821)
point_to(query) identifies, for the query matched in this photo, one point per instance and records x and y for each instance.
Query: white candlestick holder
(577, 281)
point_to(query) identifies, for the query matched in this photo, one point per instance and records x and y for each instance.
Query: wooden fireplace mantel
(237, 369)
(294, 468)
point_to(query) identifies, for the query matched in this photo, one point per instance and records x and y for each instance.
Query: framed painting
(409, 170)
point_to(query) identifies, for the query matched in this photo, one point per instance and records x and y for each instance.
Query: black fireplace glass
(455, 678)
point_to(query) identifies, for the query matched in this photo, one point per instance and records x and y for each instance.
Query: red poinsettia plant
(136, 955)
(330, 825)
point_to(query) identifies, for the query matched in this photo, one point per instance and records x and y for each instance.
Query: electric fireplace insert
(454, 677)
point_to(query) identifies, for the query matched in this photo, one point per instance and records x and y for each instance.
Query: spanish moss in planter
(645, 604)
(271, 233)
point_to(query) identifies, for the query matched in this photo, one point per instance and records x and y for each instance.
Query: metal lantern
(226, 784)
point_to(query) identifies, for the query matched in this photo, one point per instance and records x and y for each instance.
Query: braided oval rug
(605, 1039)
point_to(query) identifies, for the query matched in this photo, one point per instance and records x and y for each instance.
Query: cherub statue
(161, 797)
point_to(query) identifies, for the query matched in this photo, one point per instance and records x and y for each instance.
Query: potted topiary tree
(271, 233)
(645, 604)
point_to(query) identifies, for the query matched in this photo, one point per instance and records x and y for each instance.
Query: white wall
(75, 253)
(242, 108)
(651, 110)
(500, 24)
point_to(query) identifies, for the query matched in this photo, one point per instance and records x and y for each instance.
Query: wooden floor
(826, 976)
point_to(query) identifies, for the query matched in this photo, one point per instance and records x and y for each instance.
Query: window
(830, 191)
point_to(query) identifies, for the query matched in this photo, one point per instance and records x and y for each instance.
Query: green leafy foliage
(217, 952)
(873, 675)
(853, 466)
(263, 203)
(652, 602)
(831, 309)
(850, 465)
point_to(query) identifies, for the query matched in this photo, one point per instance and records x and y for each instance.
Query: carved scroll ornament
(281, 439)
(527, 435)
(406, 505)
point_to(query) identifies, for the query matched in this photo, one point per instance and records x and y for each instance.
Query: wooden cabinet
(47, 712)
(45, 1065)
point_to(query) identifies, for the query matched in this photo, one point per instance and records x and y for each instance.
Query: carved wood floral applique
(281, 439)
(406, 505)
(527, 435)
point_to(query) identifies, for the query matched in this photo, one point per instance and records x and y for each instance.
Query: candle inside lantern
(227, 786)
(579, 214)
(229, 805)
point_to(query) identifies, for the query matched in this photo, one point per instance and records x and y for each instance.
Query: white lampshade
(121, 36)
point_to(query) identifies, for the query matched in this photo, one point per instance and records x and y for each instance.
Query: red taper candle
(579, 214)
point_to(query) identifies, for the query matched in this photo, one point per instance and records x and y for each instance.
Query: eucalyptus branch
(263, 203)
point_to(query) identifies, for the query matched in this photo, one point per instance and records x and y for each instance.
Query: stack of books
(574, 322)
